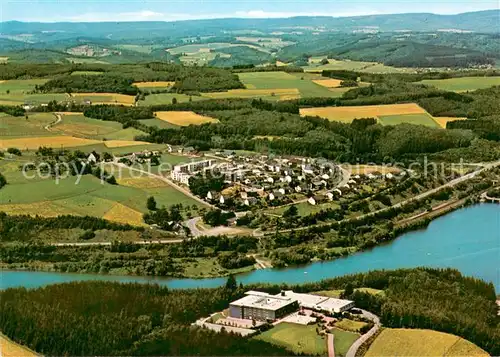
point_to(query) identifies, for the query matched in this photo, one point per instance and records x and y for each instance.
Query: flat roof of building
(317, 301)
(260, 300)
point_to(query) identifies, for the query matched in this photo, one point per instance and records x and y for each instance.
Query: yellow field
(442, 121)
(329, 83)
(160, 84)
(70, 113)
(369, 169)
(406, 342)
(43, 208)
(48, 141)
(249, 92)
(123, 214)
(347, 114)
(142, 182)
(122, 143)
(109, 98)
(9, 348)
(184, 118)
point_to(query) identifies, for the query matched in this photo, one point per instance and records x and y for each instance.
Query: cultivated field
(104, 98)
(19, 127)
(159, 84)
(33, 143)
(16, 86)
(269, 94)
(348, 114)
(166, 98)
(416, 119)
(123, 214)
(328, 83)
(184, 118)
(207, 47)
(359, 66)
(406, 342)
(442, 121)
(8, 348)
(297, 338)
(75, 124)
(283, 80)
(463, 84)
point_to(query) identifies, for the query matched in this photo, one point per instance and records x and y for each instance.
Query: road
(402, 203)
(170, 182)
(355, 346)
(331, 345)
(59, 119)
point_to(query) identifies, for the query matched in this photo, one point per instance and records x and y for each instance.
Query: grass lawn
(350, 325)
(336, 293)
(406, 342)
(343, 340)
(297, 338)
(463, 84)
(416, 119)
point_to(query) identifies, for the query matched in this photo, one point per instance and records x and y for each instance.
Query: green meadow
(416, 119)
(463, 84)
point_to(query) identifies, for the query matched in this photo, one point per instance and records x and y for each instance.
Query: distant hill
(482, 21)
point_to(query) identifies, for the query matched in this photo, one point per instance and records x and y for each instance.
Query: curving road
(357, 344)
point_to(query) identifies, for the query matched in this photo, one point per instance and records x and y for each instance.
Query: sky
(173, 10)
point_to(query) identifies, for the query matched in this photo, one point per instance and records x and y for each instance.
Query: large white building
(262, 306)
(182, 173)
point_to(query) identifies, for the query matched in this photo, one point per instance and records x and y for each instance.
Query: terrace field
(463, 84)
(184, 118)
(406, 342)
(348, 114)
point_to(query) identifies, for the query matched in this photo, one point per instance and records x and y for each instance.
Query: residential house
(316, 200)
(250, 201)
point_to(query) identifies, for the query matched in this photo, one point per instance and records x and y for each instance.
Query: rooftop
(257, 299)
(317, 301)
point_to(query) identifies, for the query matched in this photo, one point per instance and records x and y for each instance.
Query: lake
(467, 239)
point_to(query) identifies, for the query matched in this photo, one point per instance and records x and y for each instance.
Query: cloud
(144, 15)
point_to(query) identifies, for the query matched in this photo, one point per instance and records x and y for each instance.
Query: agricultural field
(19, 127)
(20, 98)
(9, 348)
(348, 114)
(283, 80)
(86, 73)
(184, 118)
(20, 86)
(160, 124)
(81, 126)
(463, 84)
(336, 293)
(153, 85)
(406, 342)
(328, 83)
(206, 48)
(104, 98)
(166, 98)
(297, 338)
(267, 94)
(125, 202)
(358, 66)
(33, 143)
(416, 119)
(267, 42)
(442, 121)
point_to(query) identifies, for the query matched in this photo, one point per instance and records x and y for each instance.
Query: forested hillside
(98, 318)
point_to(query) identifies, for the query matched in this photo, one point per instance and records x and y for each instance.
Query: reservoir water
(467, 239)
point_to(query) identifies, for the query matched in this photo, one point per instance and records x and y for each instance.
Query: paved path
(355, 346)
(331, 345)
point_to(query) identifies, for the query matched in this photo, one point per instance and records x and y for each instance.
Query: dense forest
(102, 318)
